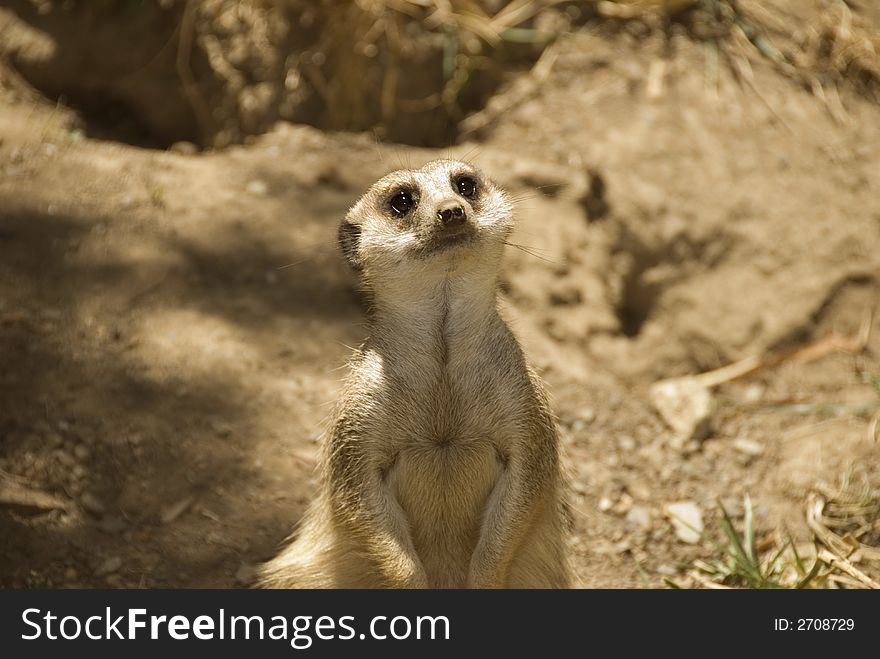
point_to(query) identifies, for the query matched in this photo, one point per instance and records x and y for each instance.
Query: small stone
(639, 490)
(127, 201)
(687, 520)
(565, 296)
(623, 505)
(109, 566)
(585, 472)
(639, 517)
(686, 405)
(112, 524)
(184, 148)
(748, 446)
(754, 392)
(257, 187)
(81, 452)
(92, 504)
(690, 447)
(666, 570)
(64, 458)
(605, 504)
(114, 581)
(175, 510)
(70, 574)
(245, 574)
(587, 414)
(614, 548)
(626, 443)
(221, 428)
(582, 419)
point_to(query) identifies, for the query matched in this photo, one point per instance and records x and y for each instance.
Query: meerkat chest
(449, 451)
(454, 412)
(443, 488)
(447, 426)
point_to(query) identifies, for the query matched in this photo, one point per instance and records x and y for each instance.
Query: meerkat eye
(466, 186)
(401, 203)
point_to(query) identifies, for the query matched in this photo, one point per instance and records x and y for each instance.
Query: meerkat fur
(442, 468)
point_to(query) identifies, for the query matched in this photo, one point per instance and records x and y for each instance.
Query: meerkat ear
(349, 240)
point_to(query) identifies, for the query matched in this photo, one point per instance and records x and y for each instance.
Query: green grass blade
(797, 557)
(803, 583)
(737, 552)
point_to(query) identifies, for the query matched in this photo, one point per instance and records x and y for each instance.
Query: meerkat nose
(451, 215)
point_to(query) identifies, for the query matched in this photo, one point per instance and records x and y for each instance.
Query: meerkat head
(447, 214)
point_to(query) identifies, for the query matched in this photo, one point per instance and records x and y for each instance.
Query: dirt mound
(154, 73)
(213, 72)
(733, 217)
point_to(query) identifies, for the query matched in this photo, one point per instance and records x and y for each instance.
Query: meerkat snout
(451, 215)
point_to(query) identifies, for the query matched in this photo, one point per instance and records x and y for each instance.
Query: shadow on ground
(133, 437)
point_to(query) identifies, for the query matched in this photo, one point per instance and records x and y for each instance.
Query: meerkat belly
(443, 488)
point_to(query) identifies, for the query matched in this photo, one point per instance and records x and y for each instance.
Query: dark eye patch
(466, 186)
(401, 202)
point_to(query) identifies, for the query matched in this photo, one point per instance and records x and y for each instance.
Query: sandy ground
(174, 327)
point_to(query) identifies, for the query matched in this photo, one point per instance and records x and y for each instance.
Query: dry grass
(371, 51)
(464, 35)
(837, 48)
(413, 70)
(628, 9)
(844, 551)
(459, 35)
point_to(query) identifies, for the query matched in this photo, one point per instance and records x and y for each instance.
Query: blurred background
(696, 278)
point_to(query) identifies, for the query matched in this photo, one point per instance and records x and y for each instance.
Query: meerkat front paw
(406, 573)
(416, 580)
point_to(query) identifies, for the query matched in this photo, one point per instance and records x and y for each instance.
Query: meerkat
(442, 469)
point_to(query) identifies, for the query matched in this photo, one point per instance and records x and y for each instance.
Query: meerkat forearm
(364, 500)
(505, 522)
(386, 531)
(516, 499)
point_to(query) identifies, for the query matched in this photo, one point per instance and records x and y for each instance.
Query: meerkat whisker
(290, 265)
(471, 154)
(530, 251)
(524, 196)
